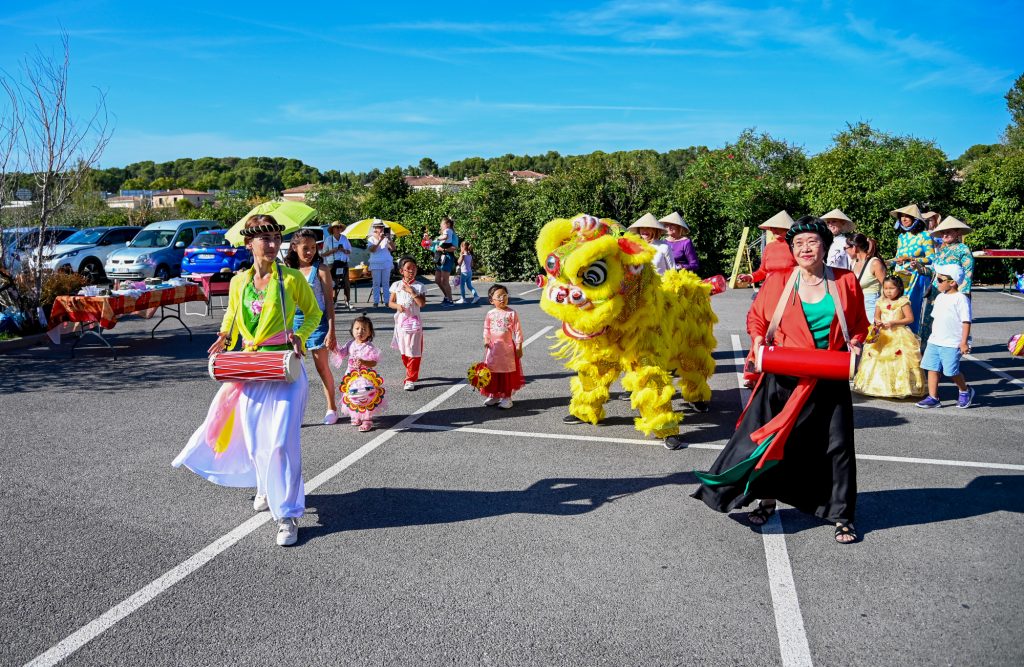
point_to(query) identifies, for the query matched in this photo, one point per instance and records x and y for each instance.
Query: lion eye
(595, 274)
(552, 265)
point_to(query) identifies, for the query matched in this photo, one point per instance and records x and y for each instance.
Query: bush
(57, 284)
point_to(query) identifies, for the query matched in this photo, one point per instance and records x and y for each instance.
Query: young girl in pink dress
(361, 353)
(503, 342)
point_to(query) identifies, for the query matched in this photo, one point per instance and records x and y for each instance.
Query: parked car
(87, 250)
(211, 253)
(157, 251)
(17, 256)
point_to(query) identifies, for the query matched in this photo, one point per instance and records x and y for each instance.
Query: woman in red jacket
(777, 257)
(794, 441)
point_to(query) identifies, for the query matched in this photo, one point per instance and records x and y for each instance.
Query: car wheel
(91, 270)
(162, 272)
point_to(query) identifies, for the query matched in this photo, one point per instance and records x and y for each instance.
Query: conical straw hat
(836, 214)
(950, 223)
(674, 218)
(910, 209)
(648, 220)
(780, 220)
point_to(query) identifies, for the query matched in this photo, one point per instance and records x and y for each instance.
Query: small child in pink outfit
(362, 397)
(503, 342)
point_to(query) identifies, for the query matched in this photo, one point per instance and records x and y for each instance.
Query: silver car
(157, 251)
(86, 250)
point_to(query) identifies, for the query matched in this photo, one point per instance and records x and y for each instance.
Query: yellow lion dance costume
(620, 317)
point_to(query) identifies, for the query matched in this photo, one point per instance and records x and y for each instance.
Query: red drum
(284, 366)
(798, 362)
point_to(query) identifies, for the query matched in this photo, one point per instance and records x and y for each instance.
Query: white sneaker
(460, 301)
(259, 503)
(331, 417)
(287, 532)
(505, 403)
(409, 385)
(492, 401)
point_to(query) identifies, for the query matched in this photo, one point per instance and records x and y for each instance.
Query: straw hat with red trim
(780, 220)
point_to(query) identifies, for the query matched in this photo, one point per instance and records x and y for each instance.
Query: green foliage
(1015, 105)
(867, 173)
(184, 207)
(387, 196)
(335, 201)
(990, 198)
(738, 186)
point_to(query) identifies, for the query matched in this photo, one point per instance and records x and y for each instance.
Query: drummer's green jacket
(297, 292)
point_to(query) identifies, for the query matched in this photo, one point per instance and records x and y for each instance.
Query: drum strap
(830, 287)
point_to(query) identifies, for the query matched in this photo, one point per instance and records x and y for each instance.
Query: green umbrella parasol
(291, 214)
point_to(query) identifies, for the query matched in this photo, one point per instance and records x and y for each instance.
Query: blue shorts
(317, 338)
(941, 358)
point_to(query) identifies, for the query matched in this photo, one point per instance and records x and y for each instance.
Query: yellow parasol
(361, 229)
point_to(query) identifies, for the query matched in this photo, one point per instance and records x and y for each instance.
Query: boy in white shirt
(950, 339)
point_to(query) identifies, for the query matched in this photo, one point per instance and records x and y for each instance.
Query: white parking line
(1002, 374)
(1013, 296)
(530, 291)
(789, 621)
(551, 436)
(137, 600)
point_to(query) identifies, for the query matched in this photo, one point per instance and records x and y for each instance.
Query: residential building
(169, 198)
(297, 193)
(526, 176)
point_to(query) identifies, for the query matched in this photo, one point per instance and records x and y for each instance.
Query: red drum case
(284, 366)
(797, 362)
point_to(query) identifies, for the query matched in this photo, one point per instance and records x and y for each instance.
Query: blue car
(211, 253)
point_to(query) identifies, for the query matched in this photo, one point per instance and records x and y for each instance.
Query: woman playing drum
(250, 437)
(794, 441)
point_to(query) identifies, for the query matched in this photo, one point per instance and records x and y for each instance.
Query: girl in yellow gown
(891, 364)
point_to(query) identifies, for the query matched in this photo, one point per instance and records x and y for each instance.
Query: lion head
(592, 267)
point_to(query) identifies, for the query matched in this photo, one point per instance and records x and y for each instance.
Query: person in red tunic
(776, 257)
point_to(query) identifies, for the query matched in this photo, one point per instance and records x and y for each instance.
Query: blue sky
(353, 86)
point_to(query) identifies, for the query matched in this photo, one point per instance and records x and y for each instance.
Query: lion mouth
(579, 335)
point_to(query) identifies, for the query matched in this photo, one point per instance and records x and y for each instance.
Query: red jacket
(793, 330)
(777, 257)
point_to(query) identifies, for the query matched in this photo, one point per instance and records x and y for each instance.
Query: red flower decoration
(888, 307)
(899, 352)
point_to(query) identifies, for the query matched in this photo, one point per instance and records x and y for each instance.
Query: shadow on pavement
(368, 509)
(895, 508)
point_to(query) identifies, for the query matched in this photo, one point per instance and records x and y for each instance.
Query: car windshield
(153, 238)
(209, 240)
(52, 237)
(85, 237)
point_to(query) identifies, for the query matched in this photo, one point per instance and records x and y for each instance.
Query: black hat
(813, 225)
(265, 224)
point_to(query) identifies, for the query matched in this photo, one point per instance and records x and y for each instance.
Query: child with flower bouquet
(362, 388)
(503, 345)
(890, 366)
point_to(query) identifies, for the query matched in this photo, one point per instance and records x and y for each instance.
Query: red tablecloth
(107, 310)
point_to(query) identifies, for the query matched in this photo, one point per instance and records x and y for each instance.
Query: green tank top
(251, 318)
(819, 319)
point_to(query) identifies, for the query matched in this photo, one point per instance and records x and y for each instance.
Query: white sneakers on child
(409, 385)
(331, 417)
(259, 503)
(459, 302)
(505, 403)
(287, 532)
(492, 401)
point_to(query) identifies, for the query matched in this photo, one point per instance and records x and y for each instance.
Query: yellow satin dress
(890, 367)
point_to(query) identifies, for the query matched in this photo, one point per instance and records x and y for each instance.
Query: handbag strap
(830, 287)
(280, 293)
(769, 336)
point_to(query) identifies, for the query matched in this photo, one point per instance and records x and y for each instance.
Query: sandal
(845, 529)
(764, 511)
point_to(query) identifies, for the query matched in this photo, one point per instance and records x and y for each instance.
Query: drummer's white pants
(264, 450)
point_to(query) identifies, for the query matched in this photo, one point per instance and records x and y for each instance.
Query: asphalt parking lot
(460, 534)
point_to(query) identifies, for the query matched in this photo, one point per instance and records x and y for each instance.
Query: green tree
(387, 196)
(428, 166)
(741, 185)
(1014, 135)
(867, 173)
